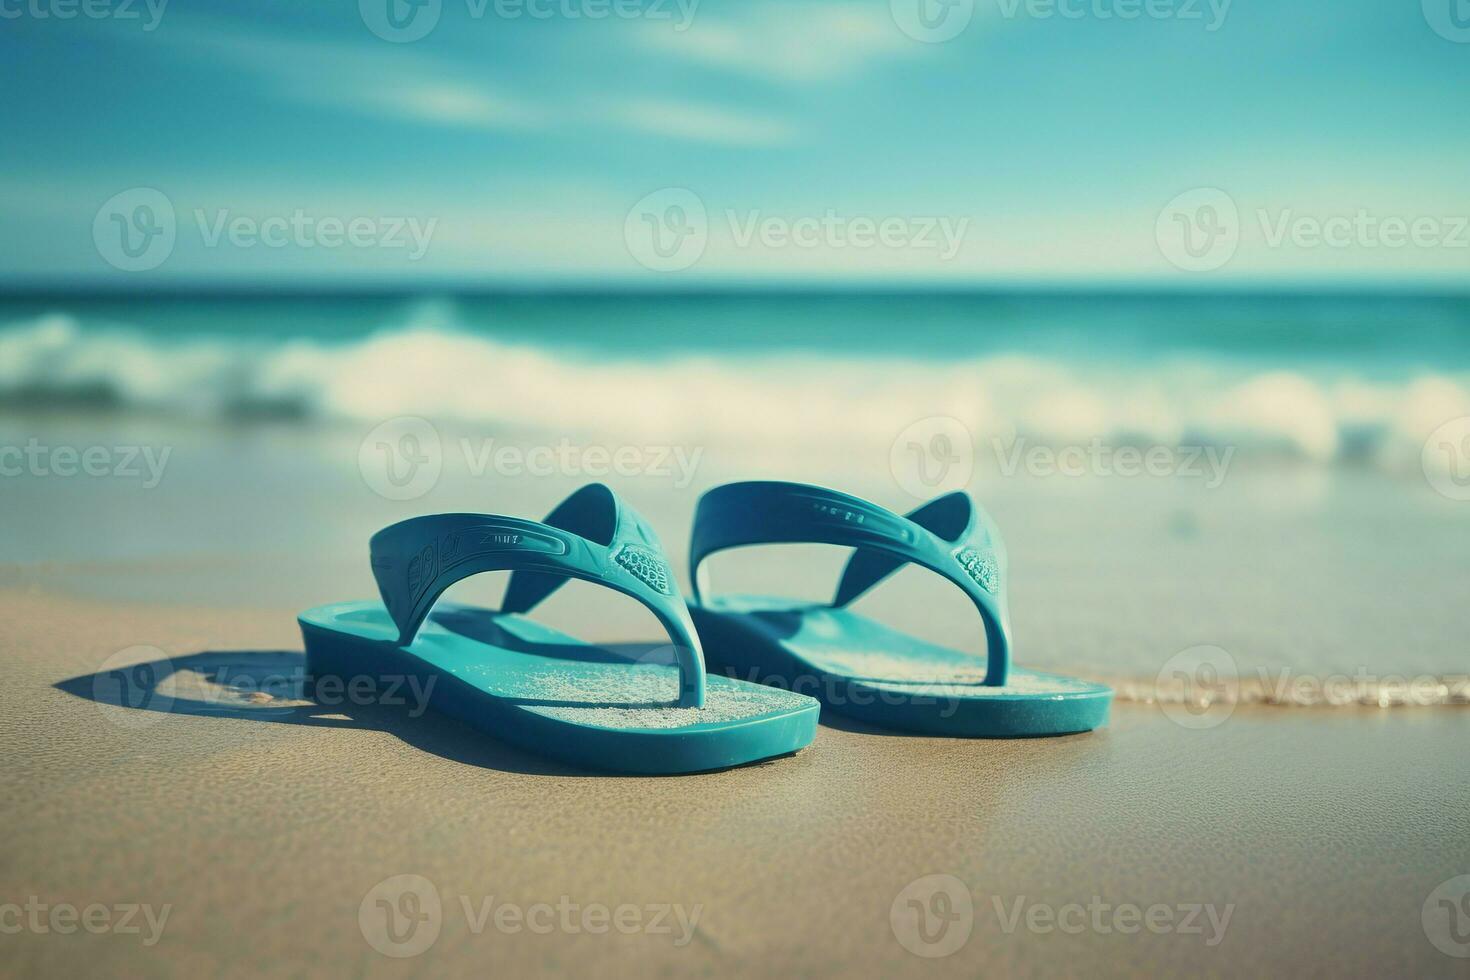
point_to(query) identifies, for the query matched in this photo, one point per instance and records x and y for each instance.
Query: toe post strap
(951, 535)
(592, 536)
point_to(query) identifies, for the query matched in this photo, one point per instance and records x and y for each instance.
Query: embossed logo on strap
(473, 542)
(858, 518)
(980, 566)
(647, 566)
(422, 569)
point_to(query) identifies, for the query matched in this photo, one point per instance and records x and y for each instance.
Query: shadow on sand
(272, 687)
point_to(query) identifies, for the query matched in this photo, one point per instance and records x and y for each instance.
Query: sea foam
(774, 403)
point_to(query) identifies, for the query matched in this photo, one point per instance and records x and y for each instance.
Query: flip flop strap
(950, 535)
(415, 560)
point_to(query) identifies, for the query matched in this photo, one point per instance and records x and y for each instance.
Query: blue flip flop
(862, 668)
(543, 690)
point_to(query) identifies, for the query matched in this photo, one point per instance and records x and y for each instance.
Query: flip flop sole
(865, 670)
(554, 695)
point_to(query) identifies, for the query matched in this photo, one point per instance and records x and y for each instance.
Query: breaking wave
(773, 403)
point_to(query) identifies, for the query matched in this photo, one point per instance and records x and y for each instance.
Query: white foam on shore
(793, 404)
(1335, 691)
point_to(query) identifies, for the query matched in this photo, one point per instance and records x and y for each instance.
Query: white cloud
(702, 123)
(384, 81)
(365, 78)
(447, 104)
(796, 43)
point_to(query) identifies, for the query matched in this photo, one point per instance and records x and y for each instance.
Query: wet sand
(264, 824)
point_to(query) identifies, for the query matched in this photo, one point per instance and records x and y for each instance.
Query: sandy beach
(169, 778)
(1283, 839)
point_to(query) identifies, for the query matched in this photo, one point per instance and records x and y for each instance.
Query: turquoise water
(1375, 333)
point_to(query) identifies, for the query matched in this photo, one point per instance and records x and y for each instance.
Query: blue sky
(1052, 138)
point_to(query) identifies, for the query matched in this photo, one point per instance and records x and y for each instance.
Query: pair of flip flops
(550, 693)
